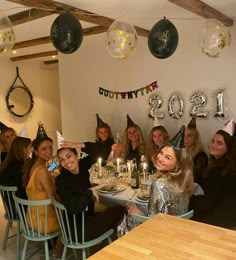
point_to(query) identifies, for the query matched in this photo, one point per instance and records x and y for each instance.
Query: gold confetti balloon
(215, 38)
(121, 40)
(7, 36)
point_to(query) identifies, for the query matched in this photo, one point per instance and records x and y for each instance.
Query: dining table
(166, 237)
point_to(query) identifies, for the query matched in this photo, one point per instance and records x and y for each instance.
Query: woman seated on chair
(102, 145)
(192, 142)
(12, 169)
(40, 184)
(73, 188)
(157, 139)
(133, 145)
(171, 190)
(217, 205)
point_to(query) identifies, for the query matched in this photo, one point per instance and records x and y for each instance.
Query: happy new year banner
(128, 94)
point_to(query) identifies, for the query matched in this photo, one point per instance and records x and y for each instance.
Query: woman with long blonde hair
(157, 139)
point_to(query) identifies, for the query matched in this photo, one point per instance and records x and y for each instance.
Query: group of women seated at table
(179, 162)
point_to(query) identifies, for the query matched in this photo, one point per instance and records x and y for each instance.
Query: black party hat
(130, 122)
(99, 121)
(178, 140)
(2, 126)
(192, 124)
(41, 133)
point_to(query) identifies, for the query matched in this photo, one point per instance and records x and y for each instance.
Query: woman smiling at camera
(73, 187)
(173, 187)
(217, 206)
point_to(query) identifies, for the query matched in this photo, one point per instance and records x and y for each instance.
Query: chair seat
(40, 237)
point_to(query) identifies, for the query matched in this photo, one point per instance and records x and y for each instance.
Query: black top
(12, 176)
(98, 149)
(200, 162)
(133, 154)
(73, 189)
(3, 156)
(217, 205)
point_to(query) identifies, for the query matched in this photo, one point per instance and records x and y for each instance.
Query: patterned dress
(164, 198)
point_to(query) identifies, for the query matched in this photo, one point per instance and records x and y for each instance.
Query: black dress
(200, 162)
(73, 189)
(133, 154)
(98, 149)
(12, 176)
(217, 206)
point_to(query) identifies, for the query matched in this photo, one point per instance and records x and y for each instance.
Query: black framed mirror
(19, 101)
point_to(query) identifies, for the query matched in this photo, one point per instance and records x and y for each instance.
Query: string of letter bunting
(128, 94)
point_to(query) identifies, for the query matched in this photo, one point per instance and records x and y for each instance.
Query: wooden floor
(10, 253)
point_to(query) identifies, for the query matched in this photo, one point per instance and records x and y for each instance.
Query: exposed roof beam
(81, 14)
(49, 62)
(35, 55)
(203, 10)
(28, 15)
(47, 39)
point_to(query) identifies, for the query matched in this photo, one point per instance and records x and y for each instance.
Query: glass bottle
(134, 176)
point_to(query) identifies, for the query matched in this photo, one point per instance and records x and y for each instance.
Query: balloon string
(91, 14)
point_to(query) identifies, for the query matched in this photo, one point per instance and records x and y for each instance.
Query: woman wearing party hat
(133, 145)
(173, 187)
(192, 142)
(8, 134)
(217, 205)
(102, 145)
(39, 183)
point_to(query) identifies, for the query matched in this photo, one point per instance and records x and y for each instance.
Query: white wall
(186, 71)
(44, 86)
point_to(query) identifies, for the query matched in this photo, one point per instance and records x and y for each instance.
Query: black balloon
(163, 39)
(66, 33)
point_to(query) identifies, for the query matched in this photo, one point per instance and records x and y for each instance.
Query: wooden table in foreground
(168, 237)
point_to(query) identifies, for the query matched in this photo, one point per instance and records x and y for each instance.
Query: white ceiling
(142, 13)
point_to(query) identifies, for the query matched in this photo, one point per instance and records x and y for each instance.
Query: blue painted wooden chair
(141, 219)
(11, 216)
(31, 231)
(70, 235)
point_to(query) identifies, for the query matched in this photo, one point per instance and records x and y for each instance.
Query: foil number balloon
(199, 100)
(175, 98)
(155, 101)
(220, 114)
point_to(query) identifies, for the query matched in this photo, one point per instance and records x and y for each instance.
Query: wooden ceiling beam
(203, 10)
(28, 15)
(44, 40)
(81, 14)
(49, 62)
(34, 56)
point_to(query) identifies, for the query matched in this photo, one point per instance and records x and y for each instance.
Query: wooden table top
(168, 237)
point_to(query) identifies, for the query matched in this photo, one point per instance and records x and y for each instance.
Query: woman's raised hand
(69, 144)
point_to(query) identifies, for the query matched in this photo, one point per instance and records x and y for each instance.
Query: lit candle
(144, 171)
(99, 167)
(118, 164)
(129, 172)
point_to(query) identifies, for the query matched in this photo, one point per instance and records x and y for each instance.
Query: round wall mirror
(19, 101)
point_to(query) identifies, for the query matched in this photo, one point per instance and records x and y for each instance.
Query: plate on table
(108, 188)
(142, 196)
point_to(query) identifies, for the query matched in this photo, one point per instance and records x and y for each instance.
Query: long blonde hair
(197, 147)
(152, 148)
(141, 143)
(182, 176)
